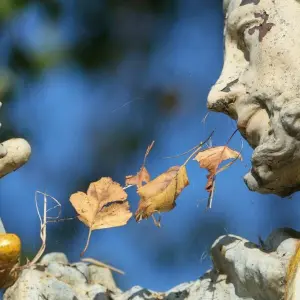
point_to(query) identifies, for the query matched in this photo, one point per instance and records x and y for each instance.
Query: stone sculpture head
(260, 88)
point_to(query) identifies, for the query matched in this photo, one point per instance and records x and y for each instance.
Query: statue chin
(276, 143)
(278, 186)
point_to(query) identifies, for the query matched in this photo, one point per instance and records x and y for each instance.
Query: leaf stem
(61, 220)
(87, 242)
(101, 264)
(211, 194)
(198, 149)
(126, 187)
(147, 153)
(181, 154)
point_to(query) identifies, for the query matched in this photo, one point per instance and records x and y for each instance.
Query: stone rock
(242, 270)
(37, 284)
(102, 276)
(55, 278)
(54, 257)
(18, 153)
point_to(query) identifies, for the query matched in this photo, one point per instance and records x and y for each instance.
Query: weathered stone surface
(102, 276)
(18, 153)
(260, 88)
(55, 278)
(242, 270)
(54, 257)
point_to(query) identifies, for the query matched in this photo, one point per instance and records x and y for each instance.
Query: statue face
(259, 87)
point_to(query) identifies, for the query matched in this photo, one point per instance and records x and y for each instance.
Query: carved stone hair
(227, 2)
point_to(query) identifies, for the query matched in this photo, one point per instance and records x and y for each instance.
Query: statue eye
(242, 43)
(244, 38)
(243, 30)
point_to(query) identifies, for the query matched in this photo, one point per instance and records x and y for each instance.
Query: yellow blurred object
(293, 276)
(10, 250)
(10, 247)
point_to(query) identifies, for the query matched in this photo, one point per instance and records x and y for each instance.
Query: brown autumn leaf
(211, 158)
(159, 195)
(142, 175)
(105, 205)
(139, 178)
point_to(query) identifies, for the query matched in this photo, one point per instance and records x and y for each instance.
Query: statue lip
(244, 121)
(248, 127)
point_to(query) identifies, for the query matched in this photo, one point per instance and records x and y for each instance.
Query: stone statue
(260, 88)
(14, 153)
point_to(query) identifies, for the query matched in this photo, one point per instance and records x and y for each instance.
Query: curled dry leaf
(159, 195)
(142, 175)
(105, 205)
(211, 158)
(139, 178)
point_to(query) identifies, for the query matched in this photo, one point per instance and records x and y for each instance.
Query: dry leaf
(103, 206)
(211, 158)
(159, 195)
(141, 176)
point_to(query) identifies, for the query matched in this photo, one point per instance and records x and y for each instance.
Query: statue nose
(221, 99)
(216, 100)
